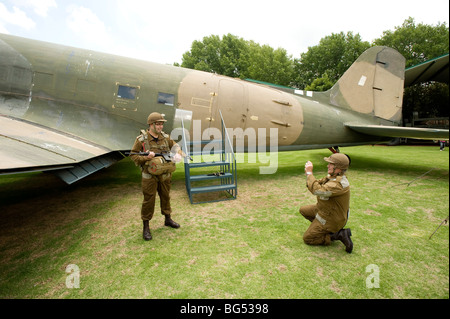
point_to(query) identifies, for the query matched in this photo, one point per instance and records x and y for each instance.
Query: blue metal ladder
(216, 179)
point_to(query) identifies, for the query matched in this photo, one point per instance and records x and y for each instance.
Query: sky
(161, 31)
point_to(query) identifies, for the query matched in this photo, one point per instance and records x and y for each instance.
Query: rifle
(167, 155)
(444, 221)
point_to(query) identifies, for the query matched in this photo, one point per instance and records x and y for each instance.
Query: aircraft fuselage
(106, 99)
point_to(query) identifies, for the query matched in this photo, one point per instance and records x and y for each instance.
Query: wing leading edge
(399, 131)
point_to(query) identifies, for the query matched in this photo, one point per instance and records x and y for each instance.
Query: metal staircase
(215, 179)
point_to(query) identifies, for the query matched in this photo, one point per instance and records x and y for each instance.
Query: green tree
(269, 65)
(236, 57)
(417, 43)
(320, 84)
(333, 56)
(427, 100)
(226, 56)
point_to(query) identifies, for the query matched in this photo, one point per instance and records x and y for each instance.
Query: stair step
(199, 149)
(215, 188)
(205, 142)
(196, 178)
(210, 153)
(207, 164)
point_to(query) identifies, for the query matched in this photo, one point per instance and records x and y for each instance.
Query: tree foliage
(236, 57)
(269, 65)
(320, 84)
(332, 56)
(227, 56)
(427, 100)
(417, 43)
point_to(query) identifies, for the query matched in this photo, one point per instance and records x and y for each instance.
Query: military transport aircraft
(61, 106)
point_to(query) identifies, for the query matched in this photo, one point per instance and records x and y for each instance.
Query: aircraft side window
(127, 92)
(166, 98)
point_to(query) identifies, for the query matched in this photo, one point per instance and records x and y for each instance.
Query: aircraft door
(232, 102)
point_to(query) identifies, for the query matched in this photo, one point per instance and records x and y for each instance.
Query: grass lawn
(248, 248)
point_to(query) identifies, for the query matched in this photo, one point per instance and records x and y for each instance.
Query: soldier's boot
(169, 222)
(344, 236)
(146, 233)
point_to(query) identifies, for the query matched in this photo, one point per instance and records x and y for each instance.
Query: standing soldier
(329, 215)
(156, 171)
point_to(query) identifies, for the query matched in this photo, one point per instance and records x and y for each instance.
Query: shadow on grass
(397, 160)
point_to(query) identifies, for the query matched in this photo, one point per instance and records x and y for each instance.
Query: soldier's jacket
(147, 143)
(333, 200)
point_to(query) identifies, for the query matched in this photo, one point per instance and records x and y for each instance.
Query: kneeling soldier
(329, 215)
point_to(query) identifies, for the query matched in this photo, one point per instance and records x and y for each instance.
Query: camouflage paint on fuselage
(103, 100)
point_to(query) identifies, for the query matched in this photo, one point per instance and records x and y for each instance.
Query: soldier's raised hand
(309, 167)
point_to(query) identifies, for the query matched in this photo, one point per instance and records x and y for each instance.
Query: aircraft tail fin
(373, 84)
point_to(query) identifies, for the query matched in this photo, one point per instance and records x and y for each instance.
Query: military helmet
(155, 117)
(340, 160)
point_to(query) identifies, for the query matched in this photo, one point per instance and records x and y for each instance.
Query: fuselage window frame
(127, 92)
(166, 98)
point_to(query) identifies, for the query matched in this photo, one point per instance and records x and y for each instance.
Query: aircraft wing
(431, 70)
(27, 147)
(399, 131)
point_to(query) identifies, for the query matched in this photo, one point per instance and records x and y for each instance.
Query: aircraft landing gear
(334, 149)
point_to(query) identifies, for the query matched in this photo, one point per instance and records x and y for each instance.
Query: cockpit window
(166, 98)
(127, 92)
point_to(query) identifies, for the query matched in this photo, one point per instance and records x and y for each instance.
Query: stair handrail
(185, 148)
(227, 137)
(187, 172)
(228, 149)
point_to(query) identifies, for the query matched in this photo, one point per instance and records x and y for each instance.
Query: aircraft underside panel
(25, 146)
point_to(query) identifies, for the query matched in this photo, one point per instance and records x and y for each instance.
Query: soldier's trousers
(316, 234)
(151, 185)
